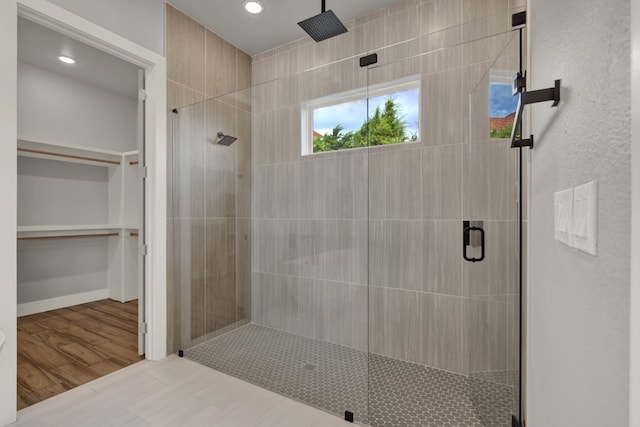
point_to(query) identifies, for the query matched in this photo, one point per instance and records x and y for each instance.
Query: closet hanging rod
(70, 236)
(68, 156)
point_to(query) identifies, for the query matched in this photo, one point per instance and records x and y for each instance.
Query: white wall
(141, 21)
(579, 345)
(57, 268)
(55, 108)
(60, 193)
(8, 135)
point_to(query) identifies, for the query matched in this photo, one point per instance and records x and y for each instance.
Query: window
(341, 121)
(502, 104)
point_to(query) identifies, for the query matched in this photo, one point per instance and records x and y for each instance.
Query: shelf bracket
(529, 97)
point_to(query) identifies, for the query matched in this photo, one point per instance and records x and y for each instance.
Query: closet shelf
(72, 154)
(40, 232)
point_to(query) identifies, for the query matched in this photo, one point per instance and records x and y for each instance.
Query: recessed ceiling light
(253, 6)
(67, 60)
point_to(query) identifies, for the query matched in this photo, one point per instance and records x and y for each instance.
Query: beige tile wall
(325, 226)
(209, 209)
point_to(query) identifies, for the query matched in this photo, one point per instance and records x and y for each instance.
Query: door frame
(72, 25)
(69, 24)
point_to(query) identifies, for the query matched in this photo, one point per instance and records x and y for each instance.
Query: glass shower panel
(491, 203)
(310, 235)
(186, 224)
(210, 217)
(273, 270)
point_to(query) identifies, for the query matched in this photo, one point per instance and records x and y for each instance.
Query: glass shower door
(443, 330)
(491, 242)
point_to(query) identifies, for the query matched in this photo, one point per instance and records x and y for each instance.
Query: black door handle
(466, 240)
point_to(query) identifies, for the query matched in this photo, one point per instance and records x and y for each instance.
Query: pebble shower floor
(336, 379)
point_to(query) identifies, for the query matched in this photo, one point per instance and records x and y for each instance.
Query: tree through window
(390, 115)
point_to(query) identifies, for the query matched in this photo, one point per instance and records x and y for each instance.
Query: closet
(79, 192)
(80, 199)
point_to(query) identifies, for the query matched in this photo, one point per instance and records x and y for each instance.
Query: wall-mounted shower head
(323, 26)
(226, 139)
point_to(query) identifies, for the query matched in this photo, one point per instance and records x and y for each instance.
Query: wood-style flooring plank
(62, 349)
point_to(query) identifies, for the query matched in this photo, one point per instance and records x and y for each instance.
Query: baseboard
(61, 302)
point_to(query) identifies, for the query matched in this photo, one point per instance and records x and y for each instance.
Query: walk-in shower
(322, 260)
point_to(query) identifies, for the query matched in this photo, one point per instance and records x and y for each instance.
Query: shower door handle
(466, 240)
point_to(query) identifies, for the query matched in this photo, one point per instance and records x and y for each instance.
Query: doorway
(80, 213)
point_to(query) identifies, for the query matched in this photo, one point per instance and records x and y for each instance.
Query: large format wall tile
(441, 321)
(486, 331)
(394, 323)
(402, 26)
(403, 172)
(312, 252)
(489, 179)
(188, 163)
(221, 66)
(185, 50)
(220, 268)
(440, 14)
(178, 96)
(443, 101)
(345, 253)
(244, 71)
(442, 258)
(264, 203)
(442, 182)
(243, 269)
(403, 254)
(345, 185)
(243, 170)
(313, 178)
(189, 277)
(476, 9)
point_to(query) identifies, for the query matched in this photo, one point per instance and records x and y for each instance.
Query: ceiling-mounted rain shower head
(226, 139)
(323, 26)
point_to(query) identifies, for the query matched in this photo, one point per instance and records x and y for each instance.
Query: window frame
(364, 93)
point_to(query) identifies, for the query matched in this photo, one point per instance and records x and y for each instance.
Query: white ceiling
(275, 26)
(40, 46)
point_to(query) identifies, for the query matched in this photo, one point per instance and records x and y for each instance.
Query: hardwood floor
(172, 392)
(62, 349)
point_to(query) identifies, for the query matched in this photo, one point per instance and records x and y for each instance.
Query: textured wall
(328, 225)
(579, 366)
(209, 209)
